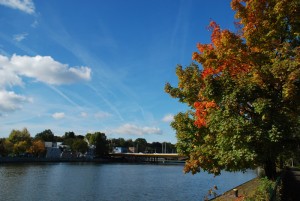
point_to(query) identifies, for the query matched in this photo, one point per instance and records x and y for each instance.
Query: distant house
(53, 150)
(132, 149)
(50, 144)
(120, 150)
(58, 150)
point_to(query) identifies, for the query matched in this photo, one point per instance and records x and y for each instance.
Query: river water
(109, 182)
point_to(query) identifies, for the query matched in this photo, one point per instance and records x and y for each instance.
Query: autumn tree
(244, 100)
(19, 135)
(21, 147)
(37, 148)
(21, 140)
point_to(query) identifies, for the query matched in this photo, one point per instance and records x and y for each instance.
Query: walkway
(291, 185)
(247, 188)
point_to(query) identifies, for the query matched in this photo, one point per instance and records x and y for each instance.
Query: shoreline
(7, 160)
(20, 160)
(244, 189)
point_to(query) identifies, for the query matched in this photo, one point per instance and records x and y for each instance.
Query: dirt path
(291, 185)
(244, 189)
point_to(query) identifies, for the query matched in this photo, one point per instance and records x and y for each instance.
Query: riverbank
(13, 160)
(286, 188)
(6, 160)
(238, 193)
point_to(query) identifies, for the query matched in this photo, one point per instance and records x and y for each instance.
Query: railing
(146, 157)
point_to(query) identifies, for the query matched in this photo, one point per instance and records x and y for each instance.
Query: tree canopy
(99, 140)
(20, 144)
(140, 144)
(80, 145)
(19, 135)
(37, 148)
(244, 97)
(47, 136)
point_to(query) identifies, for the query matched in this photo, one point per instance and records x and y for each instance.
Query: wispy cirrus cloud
(131, 129)
(20, 37)
(34, 24)
(102, 115)
(84, 114)
(26, 6)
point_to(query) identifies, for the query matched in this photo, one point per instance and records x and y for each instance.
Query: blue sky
(86, 66)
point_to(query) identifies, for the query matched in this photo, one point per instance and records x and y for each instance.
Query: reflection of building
(120, 150)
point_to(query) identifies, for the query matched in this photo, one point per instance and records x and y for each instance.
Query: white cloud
(40, 68)
(26, 6)
(47, 70)
(9, 101)
(20, 37)
(132, 129)
(84, 114)
(58, 115)
(168, 118)
(102, 115)
(34, 24)
(9, 79)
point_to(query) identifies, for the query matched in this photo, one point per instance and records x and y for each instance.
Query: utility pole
(163, 149)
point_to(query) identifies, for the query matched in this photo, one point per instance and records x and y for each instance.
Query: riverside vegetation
(20, 143)
(243, 92)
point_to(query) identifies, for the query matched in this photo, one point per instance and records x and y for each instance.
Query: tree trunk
(270, 169)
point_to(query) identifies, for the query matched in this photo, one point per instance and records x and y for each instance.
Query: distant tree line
(20, 143)
(141, 145)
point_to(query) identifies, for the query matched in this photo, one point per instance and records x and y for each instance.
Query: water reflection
(72, 181)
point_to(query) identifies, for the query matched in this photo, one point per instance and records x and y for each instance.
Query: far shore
(7, 160)
(19, 160)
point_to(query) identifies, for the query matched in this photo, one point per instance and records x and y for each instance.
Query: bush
(263, 191)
